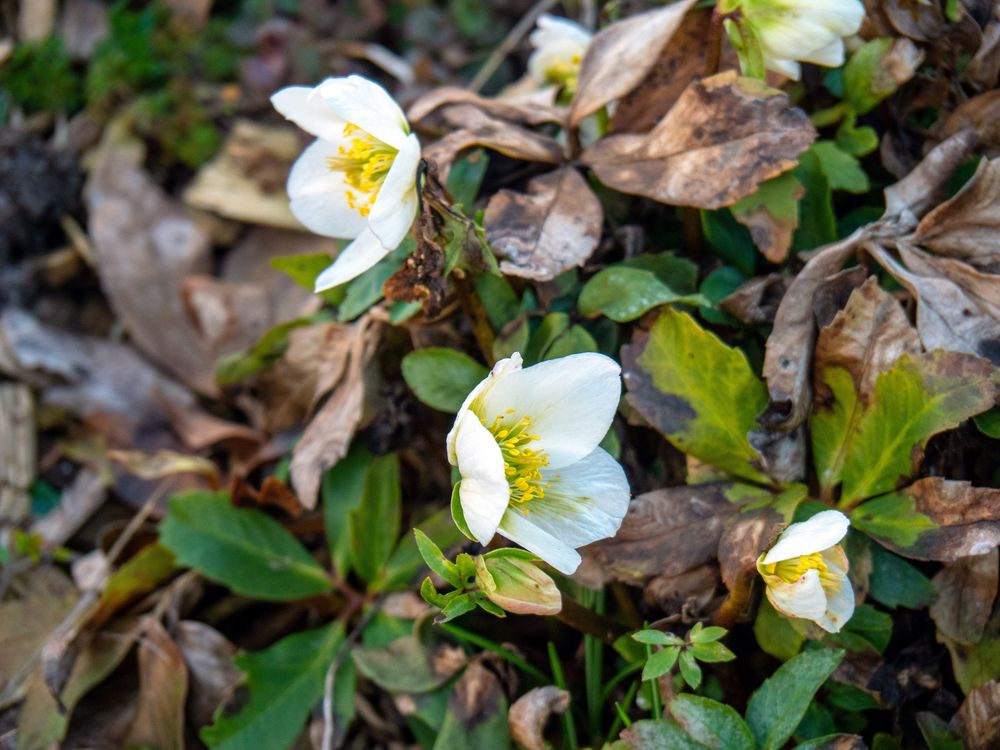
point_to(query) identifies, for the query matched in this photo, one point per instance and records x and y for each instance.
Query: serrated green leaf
(441, 377)
(241, 548)
(698, 392)
(892, 517)
(661, 734)
(690, 670)
(374, 523)
(918, 398)
(843, 171)
(285, 681)
(623, 294)
(777, 706)
(714, 724)
(711, 652)
(660, 662)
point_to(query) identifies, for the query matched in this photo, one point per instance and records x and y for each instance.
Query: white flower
(806, 571)
(358, 179)
(526, 445)
(560, 45)
(802, 30)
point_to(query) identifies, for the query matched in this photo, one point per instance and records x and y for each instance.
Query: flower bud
(517, 585)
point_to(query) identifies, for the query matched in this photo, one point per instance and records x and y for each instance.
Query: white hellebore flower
(358, 179)
(808, 30)
(806, 571)
(559, 46)
(526, 445)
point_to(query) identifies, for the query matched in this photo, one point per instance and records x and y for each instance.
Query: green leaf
(374, 524)
(831, 428)
(730, 240)
(405, 665)
(232, 368)
(661, 662)
(552, 327)
(857, 141)
(680, 274)
(894, 582)
(623, 294)
(142, 573)
(871, 625)
(775, 633)
(700, 634)
(777, 706)
(779, 199)
(285, 681)
(715, 287)
(459, 606)
(988, 423)
(303, 270)
(711, 652)
(892, 517)
(936, 733)
(498, 297)
(714, 724)
(698, 392)
(342, 491)
(574, 341)
(817, 224)
(918, 398)
(690, 670)
(662, 734)
(866, 80)
(242, 548)
(405, 564)
(482, 726)
(843, 171)
(441, 377)
(657, 638)
(466, 176)
(366, 289)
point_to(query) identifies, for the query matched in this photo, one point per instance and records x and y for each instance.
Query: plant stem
(589, 622)
(560, 680)
(737, 601)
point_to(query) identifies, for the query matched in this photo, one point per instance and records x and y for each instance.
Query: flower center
(564, 72)
(793, 569)
(521, 464)
(365, 161)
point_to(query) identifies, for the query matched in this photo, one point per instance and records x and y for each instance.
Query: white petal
(484, 492)
(843, 17)
(787, 68)
(500, 370)
(366, 104)
(820, 532)
(839, 605)
(352, 261)
(586, 502)
(303, 106)
(396, 205)
(318, 196)
(832, 55)
(791, 38)
(520, 529)
(571, 402)
(556, 28)
(557, 53)
(805, 598)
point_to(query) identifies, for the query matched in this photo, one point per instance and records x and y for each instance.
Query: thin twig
(513, 38)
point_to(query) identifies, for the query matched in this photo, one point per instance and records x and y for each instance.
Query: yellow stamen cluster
(521, 464)
(564, 72)
(365, 162)
(793, 569)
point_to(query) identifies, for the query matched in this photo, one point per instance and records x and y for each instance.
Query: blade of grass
(477, 640)
(560, 680)
(621, 713)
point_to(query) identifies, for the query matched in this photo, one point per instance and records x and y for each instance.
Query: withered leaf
(966, 590)
(967, 519)
(743, 539)
(407, 665)
(723, 137)
(504, 108)
(145, 246)
(911, 197)
(665, 532)
(756, 302)
(421, 278)
(620, 55)
(553, 227)
(208, 656)
(968, 225)
(163, 685)
(530, 712)
(978, 719)
(477, 128)
(983, 68)
(789, 347)
(772, 215)
(982, 114)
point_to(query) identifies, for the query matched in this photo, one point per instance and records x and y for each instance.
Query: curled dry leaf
(743, 539)
(476, 128)
(788, 352)
(208, 656)
(723, 137)
(531, 711)
(978, 719)
(424, 110)
(967, 519)
(958, 308)
(968, 225)
(756, 302)
(620, 55)
(145, 246)
(329, 432)
(163, 685)
(966, 590)
(981, 114)
(163, 463)
(553, 227)
(983, 68)
(665, 532)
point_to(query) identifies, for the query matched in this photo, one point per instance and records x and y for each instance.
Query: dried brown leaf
(723, 137)
(553, 227)
(982, 114)
(476, 128)
(743, 540)
(163, 463)
(978, 719)
(665, 532)
(145, 246)
(620, 55)
(911, 197)
(756, 302)
(530, 712)
(968, 225)
(983, 68)
(504, 108)
(789, 347)
(163, 685)
(208, 656)
(966, 590)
